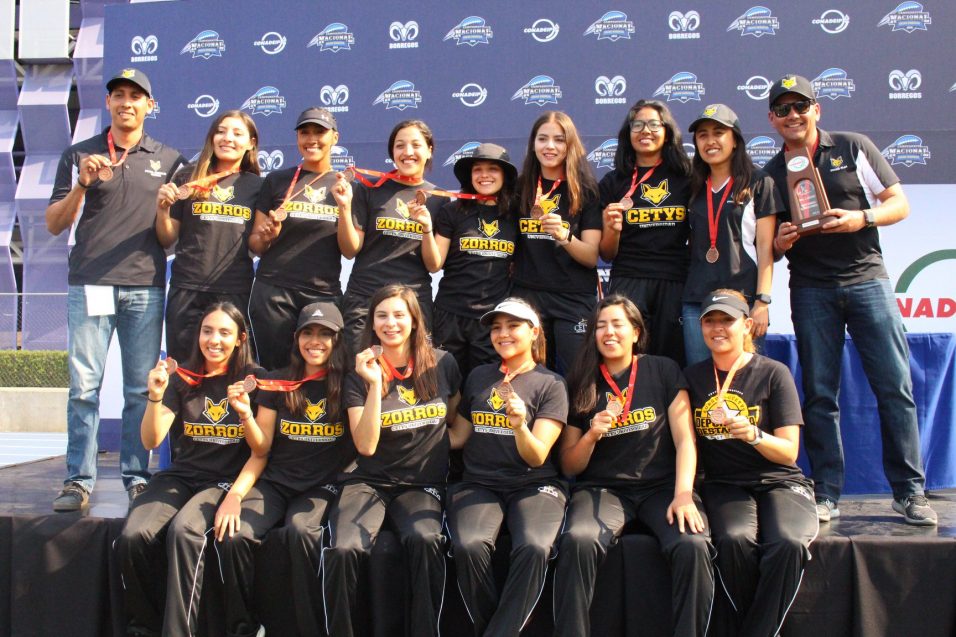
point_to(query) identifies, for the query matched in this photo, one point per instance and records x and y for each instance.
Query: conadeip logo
(757, 21)
(471, 31)
(904, 85)
(270, 161)
(907, 16)
(206, 45)
(404, 35)
(610, 90)
(471, 95)
(603, 155)
(683, 25)
(335, 98)
(833, 83)
(543, 30)
(761, 149)
(144, 49)
(341, 158)
(907, 150)
(612, 26)
(682, 87)
(335, 37)
(204, 106)
(757, 87)
(832, 21)
(271, 43)
(265, 101)
(539, 90)
(466, 150)
(401, 95)
(918, 293)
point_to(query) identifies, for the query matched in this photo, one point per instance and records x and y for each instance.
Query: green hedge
(25, 368)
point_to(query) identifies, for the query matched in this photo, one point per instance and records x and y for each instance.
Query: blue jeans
(138, 323)
(868, 311)
(694, 346)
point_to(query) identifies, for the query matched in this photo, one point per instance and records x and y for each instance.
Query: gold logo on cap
(710, 110)
(789, 82)
(128, 73)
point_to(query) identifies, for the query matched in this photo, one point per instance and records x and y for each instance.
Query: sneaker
(73, 497)
(134, 491)
(827, 510)
(916, 510)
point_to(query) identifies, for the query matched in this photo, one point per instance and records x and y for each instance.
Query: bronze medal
(171, 365)
(421, 197)
(505, 391)
(105, 173)
(712, 255)
(376, 350)
(183, 192)
(627, 203)
(280, 214)
(717, 415)
(615, 408)
(537, 212)
(249, 384)
(348, 174)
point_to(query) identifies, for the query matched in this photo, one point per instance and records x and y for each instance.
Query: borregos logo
(920, 293)
(610, 90)
(144, 49)
(270, 161)
(403, 35)
(904, 85)
(335, 98)
(683, 25)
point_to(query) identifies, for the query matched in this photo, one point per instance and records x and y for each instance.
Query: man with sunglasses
(838, 283)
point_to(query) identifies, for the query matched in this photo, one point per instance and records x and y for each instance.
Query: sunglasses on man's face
(782, 110)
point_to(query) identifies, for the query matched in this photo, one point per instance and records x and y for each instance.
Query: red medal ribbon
(538, 196)
(714, 219)
(112, 147)
(630, 385)
(288, 193)
(289, 385)
(382, 177)
(722, 390)
(391, 373)
(460, 195)
(207, 183)
(635, 183)
(510, 376)
(192, 378)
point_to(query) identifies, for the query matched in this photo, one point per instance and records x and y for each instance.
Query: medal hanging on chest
(713, 218)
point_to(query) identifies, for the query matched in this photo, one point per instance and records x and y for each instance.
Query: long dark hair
(585, 375)
(580, 181)
(672, 154)
(207, 157)
(741, 169)
(241, 361)
(505, 197)
(423, 374)
(421, 126)
(337, 367)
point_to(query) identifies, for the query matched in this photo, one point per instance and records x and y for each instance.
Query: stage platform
(871, 574)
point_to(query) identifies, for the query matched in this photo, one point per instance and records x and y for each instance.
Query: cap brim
(726, 308)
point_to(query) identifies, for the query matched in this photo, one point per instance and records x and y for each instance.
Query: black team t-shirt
(654, 231)
(491, 456)
(763, 392)
(207, 439)
(305, 256)
(212, 253)
(392, 249)
(638, 450)
(542, 264)
(308, 450)
(413, 447)
(476, 273)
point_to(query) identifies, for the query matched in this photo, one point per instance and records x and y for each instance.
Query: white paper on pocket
(99, 300)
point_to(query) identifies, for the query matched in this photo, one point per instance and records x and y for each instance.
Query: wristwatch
(763, 298)
(869, 217)
(758, 437)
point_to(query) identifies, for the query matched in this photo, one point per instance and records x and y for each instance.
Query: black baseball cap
(720, 113)
(320, 313)
(726, 303)
(131, 76)
(316, 115)
(486, 152)
(791, 84)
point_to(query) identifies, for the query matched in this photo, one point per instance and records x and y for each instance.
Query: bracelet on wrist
(157, 400)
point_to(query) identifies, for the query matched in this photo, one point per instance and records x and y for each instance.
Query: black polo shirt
(116, 240)
(853, 173)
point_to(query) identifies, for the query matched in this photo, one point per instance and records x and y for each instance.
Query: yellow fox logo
(655, 194)
(401, 208)
(223, 194)
(549, 205)
(215, 412)
(155, 165)
(836, 162)
(315, 195)
(407, 396)
(495, 400)
(488, 229)
(314, 411)
(611, 396)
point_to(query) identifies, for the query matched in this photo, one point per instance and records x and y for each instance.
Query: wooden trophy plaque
(808, 199)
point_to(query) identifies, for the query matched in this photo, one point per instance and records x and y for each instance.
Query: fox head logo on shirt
(401, 208)
(655, 195)
(549, 205)
(215, 412)
(488, 229)
(610, 396)
(315, 195)
(495, 401)
(407, 396)
(314, 411)
(223, 194)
